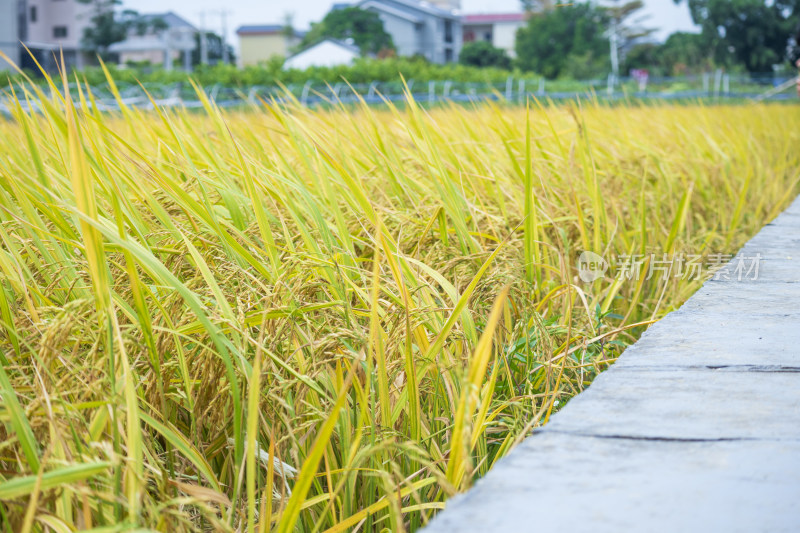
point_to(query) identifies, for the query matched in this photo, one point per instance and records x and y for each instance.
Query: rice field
(279, 318)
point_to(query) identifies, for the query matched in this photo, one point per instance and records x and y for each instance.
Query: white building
(327, 53)
(167, 39)
(9, 32)
(259, 43)
(47, 28)
(421, 28)
(500, 29)
(447, 4)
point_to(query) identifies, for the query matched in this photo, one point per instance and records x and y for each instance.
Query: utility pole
(223, 13)
(203, 43)
(612, 38)
(614, 48)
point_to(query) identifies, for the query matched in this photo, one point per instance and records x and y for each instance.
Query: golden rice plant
(279, 318)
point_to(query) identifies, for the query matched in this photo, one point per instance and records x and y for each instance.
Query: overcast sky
(662, 14)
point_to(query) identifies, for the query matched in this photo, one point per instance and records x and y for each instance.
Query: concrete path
(695, 428)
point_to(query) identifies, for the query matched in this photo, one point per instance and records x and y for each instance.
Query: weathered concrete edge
(779, 245)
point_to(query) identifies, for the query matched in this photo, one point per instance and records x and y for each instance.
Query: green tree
(529, 6)
(364, 27)
(753, 33)
(628, 28)
(624, 30)
(483, 54)
(644, 55)
(570, 32)
(288, 26)
(682, 53)
(214, 49)
(686, 52)
(108, 27)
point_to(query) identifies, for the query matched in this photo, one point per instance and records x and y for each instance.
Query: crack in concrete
(755, 368)
(658, 438)
(724, 368)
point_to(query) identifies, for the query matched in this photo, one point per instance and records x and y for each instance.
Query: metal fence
(706, 87)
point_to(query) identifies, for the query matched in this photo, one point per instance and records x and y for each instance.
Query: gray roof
(260, 28)
(416, 5)
(170, 18)
(386, 8)
(257, 29)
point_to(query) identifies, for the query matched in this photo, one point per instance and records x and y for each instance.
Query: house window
(448, 31)
(448, 55)
(33, 14)
(59, 32)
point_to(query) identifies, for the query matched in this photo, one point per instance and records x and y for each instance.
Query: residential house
(160, 39)
(421, 28)
(9, 32)
(261, 43)
(326, 53)
(500, 29)
(446, 4)
(48, 28)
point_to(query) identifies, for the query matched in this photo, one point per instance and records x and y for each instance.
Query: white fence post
(304, 95)
(717, 82)
(170, 94)
(610, 85)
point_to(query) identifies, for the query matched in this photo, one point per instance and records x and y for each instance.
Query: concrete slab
(707, 354)
(684, 339)
(773, 243)
(716, 297)
(787, 219)
(773, 268)
(686, 404)
(575, 484)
